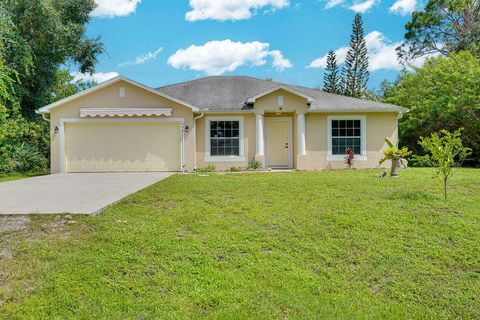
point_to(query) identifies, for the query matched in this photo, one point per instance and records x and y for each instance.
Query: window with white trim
(347, 131)
(346, 134)
(225, 138)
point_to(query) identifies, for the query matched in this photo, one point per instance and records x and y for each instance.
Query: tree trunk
(395, 167)
(445, 187)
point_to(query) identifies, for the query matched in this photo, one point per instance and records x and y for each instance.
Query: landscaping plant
(255, 165)
(395, 155)
(210, 168)
(447, 152)
(349, 157)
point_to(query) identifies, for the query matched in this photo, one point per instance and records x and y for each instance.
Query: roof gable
(48, 108)
(280, 87)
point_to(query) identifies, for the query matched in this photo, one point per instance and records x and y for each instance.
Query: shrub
(419, 161)
(350, 155)
(20, 139)
(235, 169)
(23, 158)
(209, 168)
(255, 164)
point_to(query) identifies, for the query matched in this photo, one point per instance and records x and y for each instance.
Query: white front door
(278, 142)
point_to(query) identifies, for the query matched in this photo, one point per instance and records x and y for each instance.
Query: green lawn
(308, 245)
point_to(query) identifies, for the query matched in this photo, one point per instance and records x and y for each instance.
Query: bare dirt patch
(13, 223)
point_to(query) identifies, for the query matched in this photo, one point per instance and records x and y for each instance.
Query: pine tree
(332, 79)
(355, 72)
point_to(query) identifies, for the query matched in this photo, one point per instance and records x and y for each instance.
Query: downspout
(43, 117)
(195, 139)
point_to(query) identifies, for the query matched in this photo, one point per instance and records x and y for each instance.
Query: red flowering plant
(350, 154)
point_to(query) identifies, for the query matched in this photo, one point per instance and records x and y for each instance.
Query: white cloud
(333, 3)
(321, 62)
(381, 51)
(230, 9)
(113, 8)
(362, 7)
(279, 62)
(144, 58)
(403, 7)
(96, 77)
(219, 57)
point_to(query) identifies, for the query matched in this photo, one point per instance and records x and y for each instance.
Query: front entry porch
(280, 139)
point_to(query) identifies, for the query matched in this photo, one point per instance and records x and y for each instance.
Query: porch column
(259, 145)
(301, 134)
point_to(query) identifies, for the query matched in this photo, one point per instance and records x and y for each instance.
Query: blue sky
(162, 42)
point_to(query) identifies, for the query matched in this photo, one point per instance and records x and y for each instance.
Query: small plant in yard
(209, 168)
(235, 169)
(395, 155)
(350, 155)
(255, 165)
(447, 152)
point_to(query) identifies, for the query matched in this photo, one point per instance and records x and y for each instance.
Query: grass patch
(17, 176)
(309, 245)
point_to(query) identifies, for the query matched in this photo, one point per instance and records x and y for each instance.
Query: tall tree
(50, 34)
(355, 72)
(332, 80)
(443, 26)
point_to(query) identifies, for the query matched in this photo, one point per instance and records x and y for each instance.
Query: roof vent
(121, 92)
(280, 101)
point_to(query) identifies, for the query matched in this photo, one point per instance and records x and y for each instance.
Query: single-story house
(227, 121)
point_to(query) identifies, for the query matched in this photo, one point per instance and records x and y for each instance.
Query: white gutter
(195, 139)
(43, 117)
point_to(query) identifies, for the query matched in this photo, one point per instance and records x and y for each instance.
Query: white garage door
(122, 146)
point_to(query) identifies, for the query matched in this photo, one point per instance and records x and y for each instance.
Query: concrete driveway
(77, 193)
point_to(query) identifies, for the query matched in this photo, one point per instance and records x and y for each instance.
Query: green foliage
(255, 164)
(36, 38)
(23, 158)
(65, 85)
(41, 36)
(355, 72)
(394, 153)
(417, 161)
(236, 169)
(443, 94)
(447, 152)
(332, 79)
(210, 168)
(442, 26)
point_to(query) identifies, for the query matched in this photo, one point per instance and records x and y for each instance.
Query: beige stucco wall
(249, 141)
(109, 98)
(378, 126)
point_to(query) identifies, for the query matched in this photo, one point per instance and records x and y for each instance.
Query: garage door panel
(125, 146)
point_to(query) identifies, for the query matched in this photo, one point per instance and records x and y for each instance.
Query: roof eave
(400, 109)
(46, 109)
